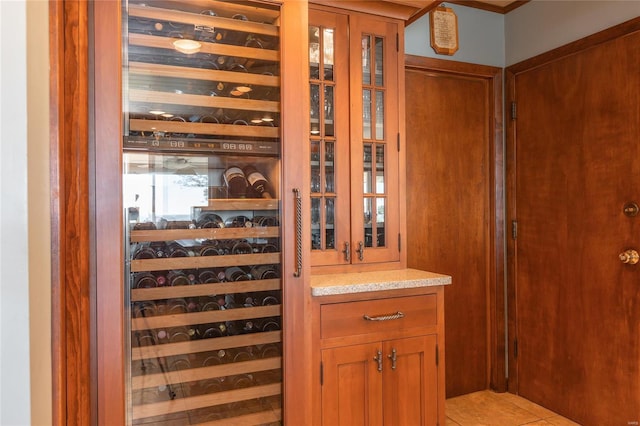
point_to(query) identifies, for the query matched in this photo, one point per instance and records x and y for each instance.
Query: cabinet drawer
(347, 319)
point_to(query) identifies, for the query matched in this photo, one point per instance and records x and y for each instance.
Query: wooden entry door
(454, 209)
(574, 162)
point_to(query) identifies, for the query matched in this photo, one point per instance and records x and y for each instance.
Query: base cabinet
(380, 358)
(385, 383)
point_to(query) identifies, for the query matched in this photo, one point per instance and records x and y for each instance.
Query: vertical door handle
(378, 358)
(298, 202)
(393, 358)
(347, 252)
(360, 251)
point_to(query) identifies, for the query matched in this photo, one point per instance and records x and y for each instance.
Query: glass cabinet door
(329, 138)
(375, 140)
(201, 188)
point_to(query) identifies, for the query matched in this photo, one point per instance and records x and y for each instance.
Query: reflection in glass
(315, 152)
(315, 109)
(366, 60)
(328, 111)
(330, 240)
(380, 223)
(367, 177)
(328, 168)
(379, 115)
(379, 62)
(314, 52)
(316, 241)
(315, 178)
(368, 212)
(315, 212)
(366, 114)
(328, 53)
(368, 217)
(380, 169)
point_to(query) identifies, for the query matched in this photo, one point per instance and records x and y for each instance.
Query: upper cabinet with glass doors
(354, 139)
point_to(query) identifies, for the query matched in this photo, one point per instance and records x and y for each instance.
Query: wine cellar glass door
(201, 188)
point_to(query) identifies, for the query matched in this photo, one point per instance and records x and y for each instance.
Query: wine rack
(203, 272)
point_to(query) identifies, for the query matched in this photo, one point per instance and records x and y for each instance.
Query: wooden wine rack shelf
(204, 345)
(204, 401)
(196, 262)
(167, 321)
(203, 373)
(173, 71)
(206, 233)
(166, 98)
(167, 14)
(142, 294)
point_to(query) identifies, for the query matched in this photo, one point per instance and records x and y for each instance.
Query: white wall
(480, 37)
(14, 274)
(25, 295)
(540, 26)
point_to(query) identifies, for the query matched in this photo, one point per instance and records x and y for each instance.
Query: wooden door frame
(511, 73)
(496, 368)
(70, 223)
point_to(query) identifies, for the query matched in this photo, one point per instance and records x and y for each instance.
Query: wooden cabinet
(355, 139)
(380, 358)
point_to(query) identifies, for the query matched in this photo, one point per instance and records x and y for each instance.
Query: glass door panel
(328, 137)
(201, 186)
(375, 139)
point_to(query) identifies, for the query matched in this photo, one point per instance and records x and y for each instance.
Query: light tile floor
(487, 408)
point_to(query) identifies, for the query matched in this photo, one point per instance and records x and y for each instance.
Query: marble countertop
(358, 282)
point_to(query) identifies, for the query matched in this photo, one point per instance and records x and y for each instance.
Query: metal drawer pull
(395, 316)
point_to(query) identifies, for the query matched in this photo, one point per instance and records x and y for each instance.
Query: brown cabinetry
(355, 138)
(380, 361)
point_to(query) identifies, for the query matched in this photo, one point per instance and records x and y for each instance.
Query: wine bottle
(175, 249)
(236, 274)
(263, 272)
(208, 276)
(177, 278)
(241, 247)
(209, 250)
(238, 222)
(258, 184)
(236, 182)
(144, 280)
(209, 220)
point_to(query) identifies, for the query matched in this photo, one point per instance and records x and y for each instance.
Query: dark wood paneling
(70, 214)
(572, 154)
(454, 209)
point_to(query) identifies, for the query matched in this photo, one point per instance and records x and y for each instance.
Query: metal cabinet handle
(378, 358)
(298, 202)
(395, 316)
(360, 251)
(347, 252)
(393, 358)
